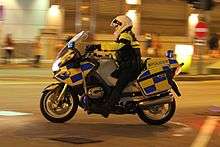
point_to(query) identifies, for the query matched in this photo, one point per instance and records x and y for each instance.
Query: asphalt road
(195, 124)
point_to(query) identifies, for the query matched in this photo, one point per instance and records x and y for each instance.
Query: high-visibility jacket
(128, 53)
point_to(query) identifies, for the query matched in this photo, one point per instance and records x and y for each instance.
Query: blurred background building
(23, 19)
(173, 21)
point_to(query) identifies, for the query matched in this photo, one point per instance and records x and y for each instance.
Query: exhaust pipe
(164, 100)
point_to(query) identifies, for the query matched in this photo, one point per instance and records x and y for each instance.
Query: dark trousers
(124, 78)
(8, 55)
(37, 59)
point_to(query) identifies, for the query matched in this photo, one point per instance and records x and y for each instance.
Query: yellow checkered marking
(71, 72)
(74, 71)
(68, 81)
(163, 85)
(157, 84)
(76, 83)
(160, 86)
(156, 70)
(147, 83)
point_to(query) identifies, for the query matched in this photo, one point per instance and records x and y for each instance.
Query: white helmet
(120, 23)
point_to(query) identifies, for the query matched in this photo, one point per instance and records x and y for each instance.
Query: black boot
(106, 109)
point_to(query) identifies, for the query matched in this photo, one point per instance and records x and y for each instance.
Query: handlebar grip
(181, 64)
(92, 47)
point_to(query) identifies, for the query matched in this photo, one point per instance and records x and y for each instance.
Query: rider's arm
(111, 48)
(124, 39)
(123, 47)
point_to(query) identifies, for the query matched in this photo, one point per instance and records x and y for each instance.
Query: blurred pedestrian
(156, 44)
(148, 40)
(9, 48)
(213, 43)
(148, 45)
(152, 44)
(38, 52)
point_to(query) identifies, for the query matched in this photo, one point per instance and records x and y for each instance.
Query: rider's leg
(123, 80)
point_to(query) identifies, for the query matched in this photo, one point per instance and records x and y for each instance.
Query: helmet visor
(115, 23)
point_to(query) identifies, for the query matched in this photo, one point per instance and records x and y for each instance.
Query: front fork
(61, 97)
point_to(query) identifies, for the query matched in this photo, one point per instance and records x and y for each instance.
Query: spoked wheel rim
(60, 110)
(158, 112)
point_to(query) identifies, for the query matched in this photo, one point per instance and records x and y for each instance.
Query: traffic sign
(201, 30)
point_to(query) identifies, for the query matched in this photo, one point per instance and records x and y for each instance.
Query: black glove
(92, 47)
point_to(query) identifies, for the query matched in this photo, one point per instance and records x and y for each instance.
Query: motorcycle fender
(50, 87)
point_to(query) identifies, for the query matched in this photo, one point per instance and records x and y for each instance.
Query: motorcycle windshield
(70, 46)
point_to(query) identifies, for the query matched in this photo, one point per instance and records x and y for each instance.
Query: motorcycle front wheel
(58, 112)
(157, 114)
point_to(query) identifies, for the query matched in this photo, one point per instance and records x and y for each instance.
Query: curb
(180, 78)
(198, 78)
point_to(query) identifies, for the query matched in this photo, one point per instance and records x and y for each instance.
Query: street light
(133, 12)
(133, 2)
(132, 15)
(54, 10)
(192, 21)
(55, 17)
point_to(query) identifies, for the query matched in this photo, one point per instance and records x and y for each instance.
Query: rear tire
(149, 120)
(51, 114)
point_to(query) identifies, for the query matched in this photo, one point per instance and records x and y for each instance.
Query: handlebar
(93, 47)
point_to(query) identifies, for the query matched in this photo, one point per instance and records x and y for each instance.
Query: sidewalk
(23, 68)
(26, 70)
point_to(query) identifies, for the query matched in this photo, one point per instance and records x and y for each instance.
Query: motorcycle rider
(128, 58)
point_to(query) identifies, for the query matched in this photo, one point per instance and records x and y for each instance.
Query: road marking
(23, 83)
(181, 131)
(13, 113)
(205, 132)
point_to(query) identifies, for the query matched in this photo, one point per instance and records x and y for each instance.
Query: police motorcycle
(85, 81)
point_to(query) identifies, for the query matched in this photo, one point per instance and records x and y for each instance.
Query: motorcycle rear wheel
(58, 114)
(155, 110)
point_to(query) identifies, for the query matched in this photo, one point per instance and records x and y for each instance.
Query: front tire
(150, 119)
(62, 112)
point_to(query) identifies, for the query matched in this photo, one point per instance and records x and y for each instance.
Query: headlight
(55, 66)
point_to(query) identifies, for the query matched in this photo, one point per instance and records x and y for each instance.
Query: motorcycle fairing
(50, 87)
(74, 76)
(86, 67)
(67, 56)
(70, 76)
(153, 80)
